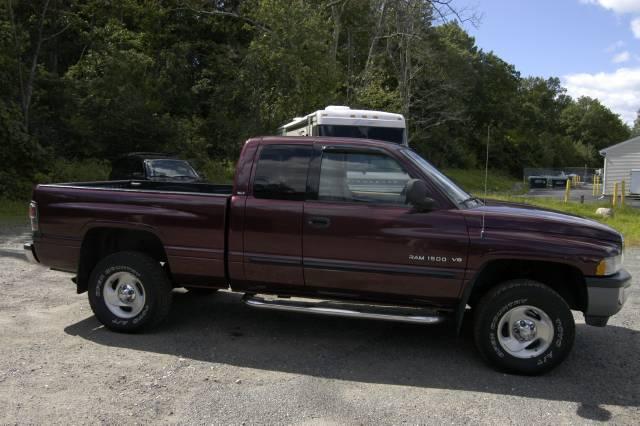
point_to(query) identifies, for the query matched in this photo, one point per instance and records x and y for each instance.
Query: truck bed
(144, 185)
(186, 219)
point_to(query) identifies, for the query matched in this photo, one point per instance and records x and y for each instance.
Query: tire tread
(484, 305)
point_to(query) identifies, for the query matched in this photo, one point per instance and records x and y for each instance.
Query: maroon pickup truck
(345, 227)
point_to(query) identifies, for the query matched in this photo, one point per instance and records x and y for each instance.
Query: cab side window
(362, 177)
(281, 172)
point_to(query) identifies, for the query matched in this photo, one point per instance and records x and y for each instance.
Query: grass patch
(12, 209)
(472, 181)
(626, 220)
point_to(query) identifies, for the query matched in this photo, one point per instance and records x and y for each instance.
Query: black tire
(150, 277)
(201, 291)
(501, 300)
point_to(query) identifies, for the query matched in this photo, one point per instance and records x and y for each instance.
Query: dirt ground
(217, 361)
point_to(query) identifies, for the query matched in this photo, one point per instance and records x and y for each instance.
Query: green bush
(62, 170)
(216, 171)
(473, 181)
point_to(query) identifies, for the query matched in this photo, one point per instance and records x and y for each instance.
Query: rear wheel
(129, 292)
(523, 327)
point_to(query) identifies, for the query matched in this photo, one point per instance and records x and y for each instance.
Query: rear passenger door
(273, 216)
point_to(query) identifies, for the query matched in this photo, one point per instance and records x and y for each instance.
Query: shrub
(62, 170)
(216, 171)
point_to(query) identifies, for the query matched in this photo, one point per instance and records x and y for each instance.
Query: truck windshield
(387, 134)
(457, 194)
(171, 169)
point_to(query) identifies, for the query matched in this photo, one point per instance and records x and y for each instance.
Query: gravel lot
(217, 361)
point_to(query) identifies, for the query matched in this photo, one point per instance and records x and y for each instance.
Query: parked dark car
(336, 226)
(152, 166)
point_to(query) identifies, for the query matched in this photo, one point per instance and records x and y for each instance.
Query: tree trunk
(27, 93)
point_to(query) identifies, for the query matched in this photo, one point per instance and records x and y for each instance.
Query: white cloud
(621, 57)
(618, 6)
(635, 27)
(615, 46)
(619, 90)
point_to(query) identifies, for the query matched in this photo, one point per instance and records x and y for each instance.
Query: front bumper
(606, 296)
(30, 252)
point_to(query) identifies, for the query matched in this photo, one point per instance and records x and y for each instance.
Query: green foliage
(62, 170)
(87, 80)
(589, 122)
(635, 130)
(472, 181)
(14, 209)
(217, 171)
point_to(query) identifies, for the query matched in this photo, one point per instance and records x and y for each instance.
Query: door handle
(319, 222)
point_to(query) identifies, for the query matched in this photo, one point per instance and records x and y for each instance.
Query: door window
(281, 172)
(362, 177)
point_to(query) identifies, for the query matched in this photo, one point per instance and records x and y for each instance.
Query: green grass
(626, 220)
(12, 209)
(473, 181)
(501, 186)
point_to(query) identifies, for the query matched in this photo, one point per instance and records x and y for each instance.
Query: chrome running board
(344, 309)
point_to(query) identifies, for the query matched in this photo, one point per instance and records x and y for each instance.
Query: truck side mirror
(416, 192)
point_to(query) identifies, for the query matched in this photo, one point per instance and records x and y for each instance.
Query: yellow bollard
(622, 194)
(567, 190)
(593, 191)
(598, 184)
(614, 197)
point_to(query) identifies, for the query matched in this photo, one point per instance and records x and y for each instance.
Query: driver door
(359, 235)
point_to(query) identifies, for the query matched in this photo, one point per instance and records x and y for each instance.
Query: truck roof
(325, 139)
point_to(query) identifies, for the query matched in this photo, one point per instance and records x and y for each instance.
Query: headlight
(610, 265)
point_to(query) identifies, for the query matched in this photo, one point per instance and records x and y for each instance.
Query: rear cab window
(281, 172)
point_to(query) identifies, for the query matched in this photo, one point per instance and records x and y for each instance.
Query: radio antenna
(486, 176)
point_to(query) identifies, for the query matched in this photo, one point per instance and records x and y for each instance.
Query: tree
(635, 130)
(592, 124)
(83, 81)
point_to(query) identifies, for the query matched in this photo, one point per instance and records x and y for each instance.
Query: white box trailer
(342, 121)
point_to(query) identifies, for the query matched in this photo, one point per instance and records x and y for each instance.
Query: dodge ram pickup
(343, 227)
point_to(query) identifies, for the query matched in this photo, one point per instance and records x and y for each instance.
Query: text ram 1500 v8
(357, 228)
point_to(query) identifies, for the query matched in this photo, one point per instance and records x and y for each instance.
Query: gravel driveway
(217, 361)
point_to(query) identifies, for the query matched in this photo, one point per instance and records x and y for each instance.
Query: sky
(593, 46)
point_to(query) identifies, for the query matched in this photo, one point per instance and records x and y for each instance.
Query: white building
(342, 121)
(622, 163)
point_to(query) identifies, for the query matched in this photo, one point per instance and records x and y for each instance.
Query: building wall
(619, 163)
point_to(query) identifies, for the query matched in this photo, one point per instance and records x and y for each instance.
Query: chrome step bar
(344, 309)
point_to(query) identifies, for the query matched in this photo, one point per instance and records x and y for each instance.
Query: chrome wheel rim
(124, 295)
(525, 331)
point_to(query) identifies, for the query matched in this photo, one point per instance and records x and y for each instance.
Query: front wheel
(129, 292)
(523, 327)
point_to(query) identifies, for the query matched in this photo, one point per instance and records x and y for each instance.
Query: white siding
(619, 162)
